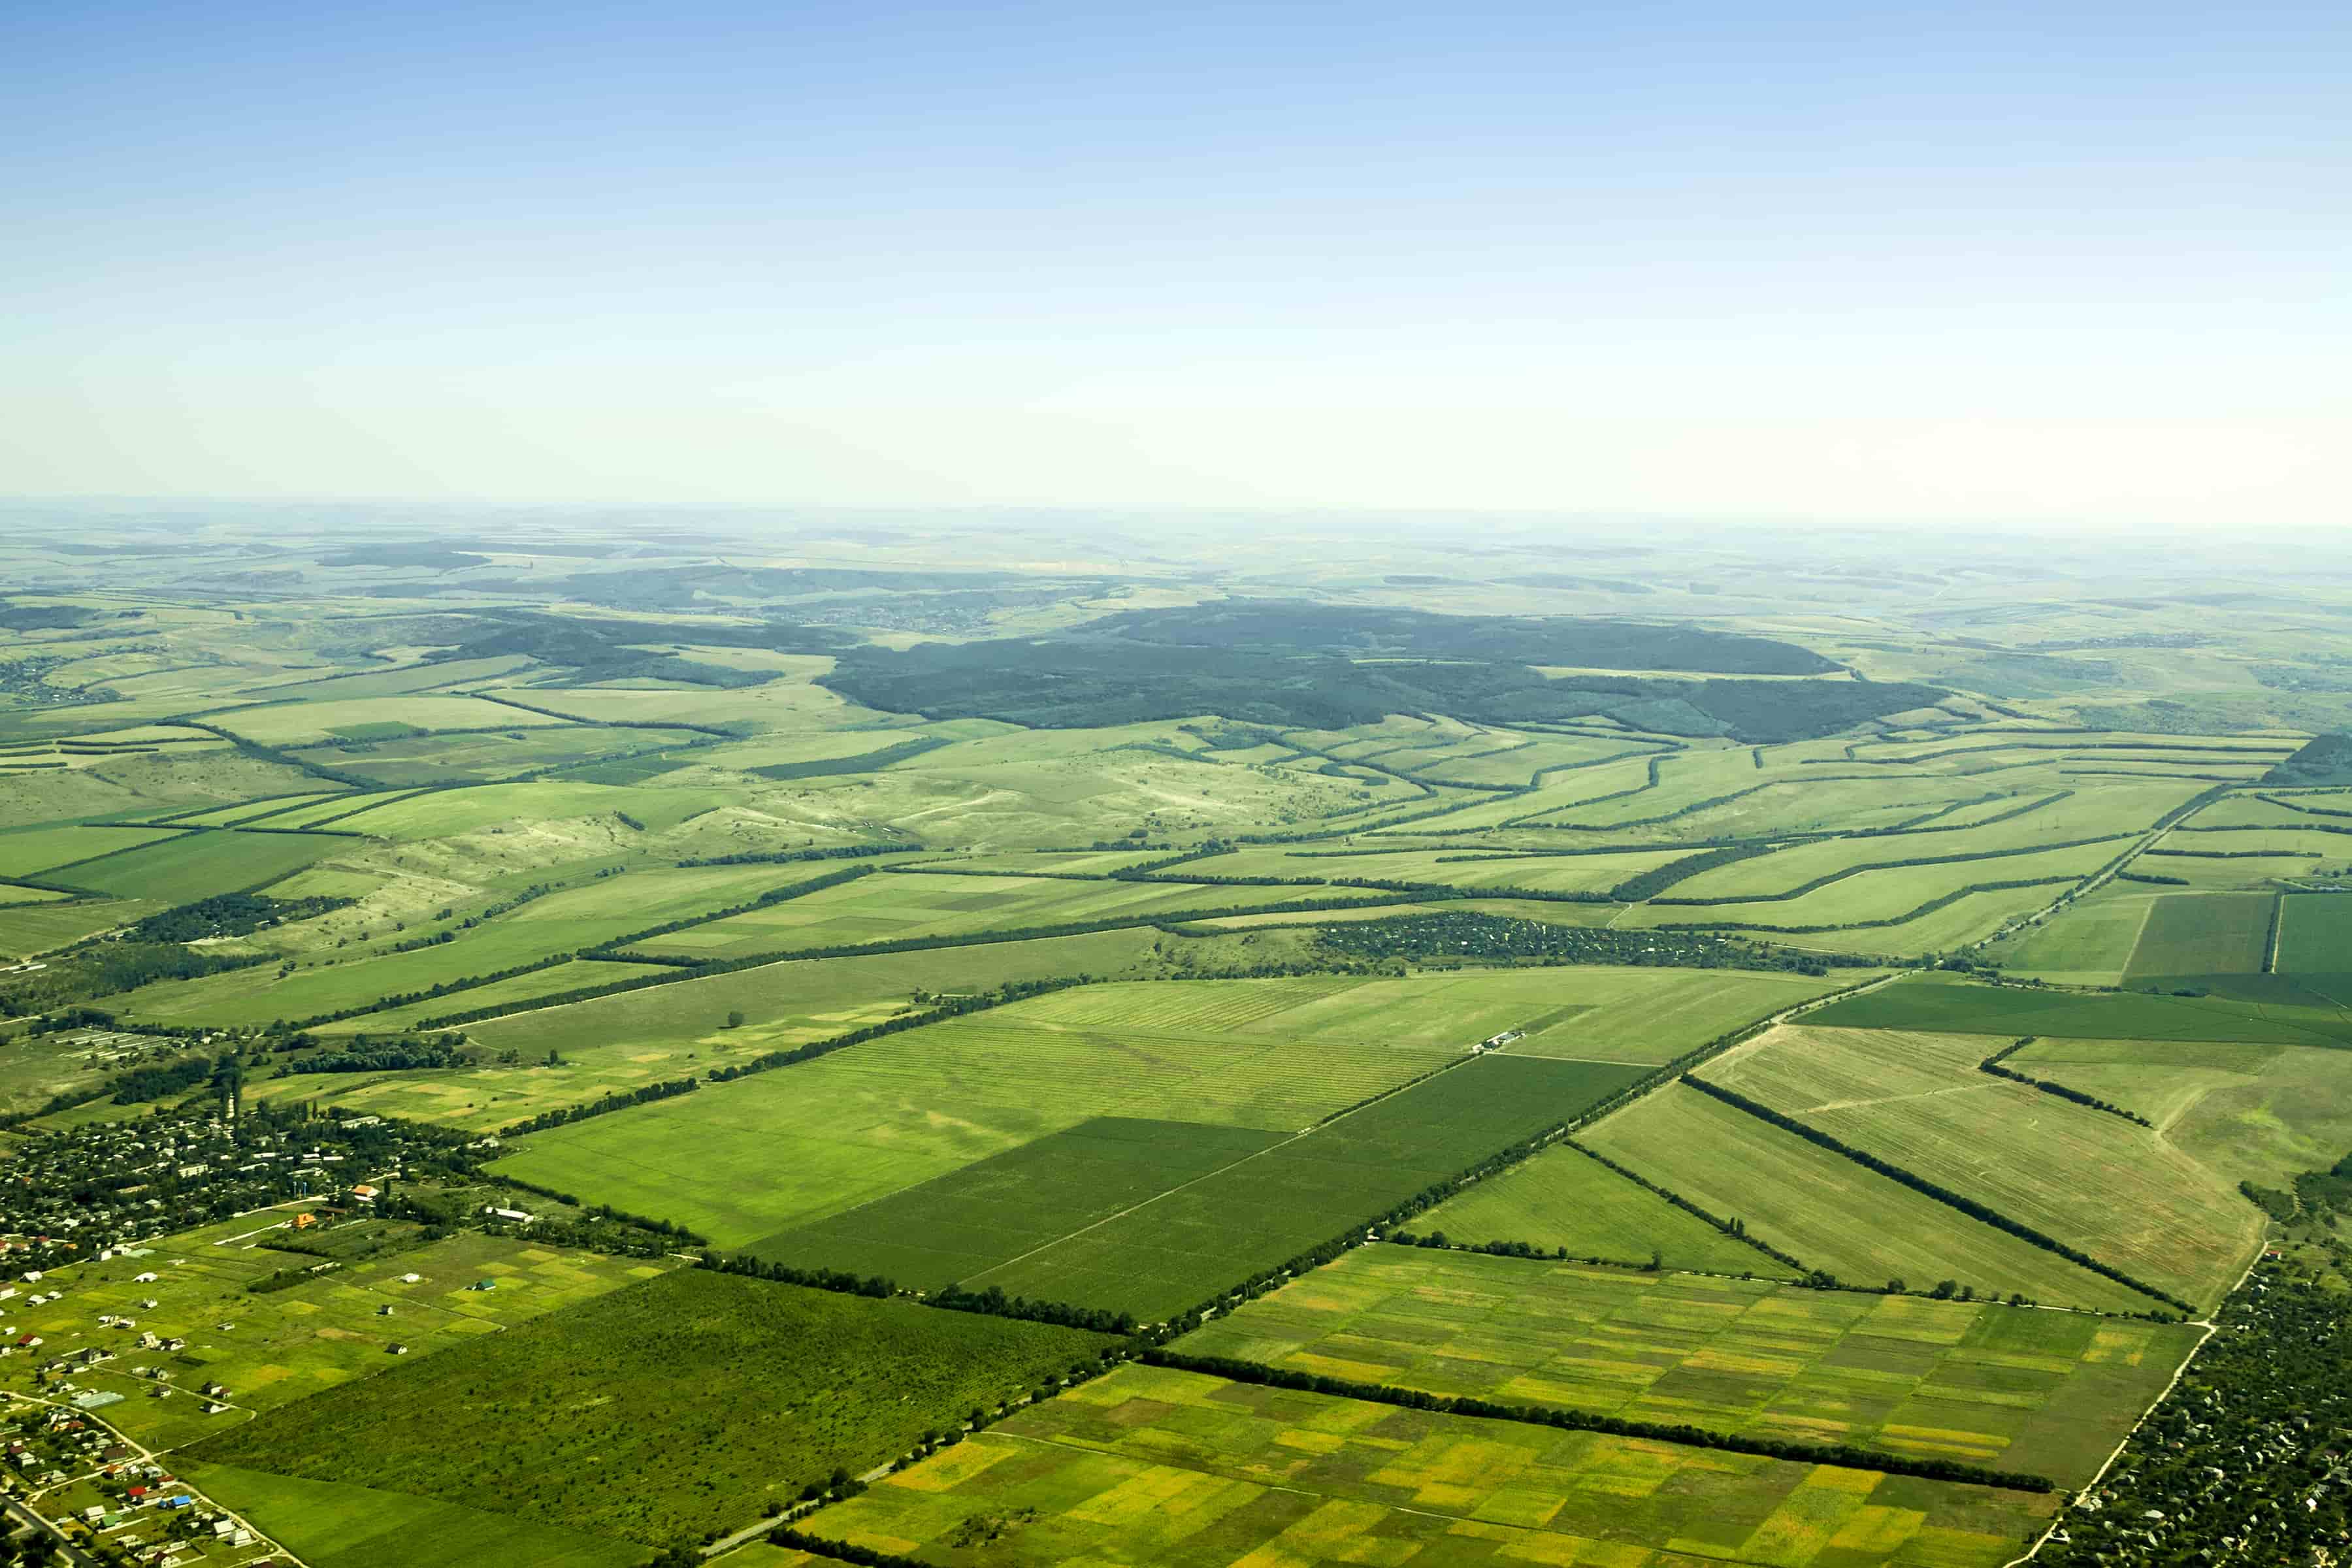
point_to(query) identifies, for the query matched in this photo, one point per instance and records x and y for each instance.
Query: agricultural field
(2204, 933)
(344, 1524)
(282, 1347)
(2314, 934)
(297, 724)
(1886, 897)
(1155, 1466)
(1829, 1213)
(2009, 1388)
(2119, 1193)
(1947, 1005)
(1565, 1200)
(1563, 874)
(910, 906)
(191, 866)
(43, 924)
(599, 1388)
(31, 852)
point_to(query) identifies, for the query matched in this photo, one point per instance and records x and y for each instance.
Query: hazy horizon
(2078, 267)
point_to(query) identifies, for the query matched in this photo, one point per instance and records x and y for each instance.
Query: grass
(895, 907)
(1451, 867)
(2009, 1388)
(746, 1160)
(1178, 1250)
(192, 865)
(1154, 1465)
(29, 853)
(339, 1523)
(442, 813)
(2089, 943)
(2117, 1191)
(1829, 1213)
(39, 927)
(300, 724)
(965, 1223)
(1945, 1003)
(2315, 933)
(283, 1346)
(597, 1391)
(2259, 1113)
(1565, 1199)
(1887, 895)
(2205, 934)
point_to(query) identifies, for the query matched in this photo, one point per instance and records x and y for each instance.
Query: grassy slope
(598, 1391)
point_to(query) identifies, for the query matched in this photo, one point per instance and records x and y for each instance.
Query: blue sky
(2066, 261)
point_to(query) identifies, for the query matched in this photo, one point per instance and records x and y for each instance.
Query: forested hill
(1373, 632)
(1281, 664)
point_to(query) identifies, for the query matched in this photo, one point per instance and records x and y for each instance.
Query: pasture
(597, 1389)
(2008, 1388)
(2089, 943)
(43, 924)
(1829, 1213)
(1153, 1465)
(2117, 1191)
(1577, 874)
(1565, 1199)
(300, 724)
(32, 851)
(1886, 896)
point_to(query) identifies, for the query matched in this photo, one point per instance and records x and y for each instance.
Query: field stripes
(2204, 933)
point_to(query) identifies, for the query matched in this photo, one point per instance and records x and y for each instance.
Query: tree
(735, 1020)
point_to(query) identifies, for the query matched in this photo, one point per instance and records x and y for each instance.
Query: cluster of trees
(1991, 1064)
(365, 1054)
(783, 856)
(993, 1302)
(105, 968)
(1658, 878)
(228, 914)
(1926, 1188)
(1467, 934)
(619, 1099)
(140, 1085)
(1844, 1455)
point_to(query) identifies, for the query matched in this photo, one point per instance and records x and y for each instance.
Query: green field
(1175, 1251)
(1453, 868)
(2089, 943)
(899, 908)
(2205, 934)
(2258, 1113)
(2120, 1192)
(39, 927)
(783, 1149)
(27, 854)
(1829, 1213)
(192, 865)
(599, 1390)
(1945, 1003)
(1888, 896)
(1562, 1198)
(2008, 1388)
(1149, 1466)
(2315, 933)
(340, 1523)
(279, 1347)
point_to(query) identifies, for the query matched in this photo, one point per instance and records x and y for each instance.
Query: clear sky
(1872, 261)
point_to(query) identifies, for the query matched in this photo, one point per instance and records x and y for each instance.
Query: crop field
(2089, 943)
(2258, 1113)
(904, 907)
(599, 1387)
(343, 1524)
(377, 718)
(1783, 872)
(446, 813)
(1562, 1198)
(1941, 1003)
(283, 1346)
(27, 854)
(2009, 1388)
(1829, 1213)
(1449, 868)
(2119, 1193)
(1885, 897)
(1154, 1465)
(30, 927)
(192, 865)
(1176, 1251)
(2314, 934)
(783, 1149)
(2204, 933)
